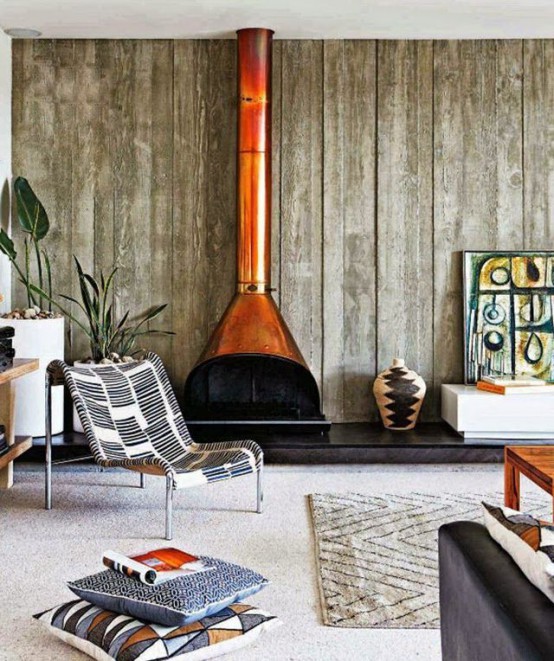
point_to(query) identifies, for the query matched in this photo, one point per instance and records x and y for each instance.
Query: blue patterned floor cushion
(105, 635)
(176, 602)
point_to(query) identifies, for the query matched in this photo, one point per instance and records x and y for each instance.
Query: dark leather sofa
(489, 610)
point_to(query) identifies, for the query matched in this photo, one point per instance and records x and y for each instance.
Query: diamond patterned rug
(377, 555)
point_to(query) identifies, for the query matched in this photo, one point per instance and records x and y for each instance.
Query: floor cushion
(105, 635)
(177, 602)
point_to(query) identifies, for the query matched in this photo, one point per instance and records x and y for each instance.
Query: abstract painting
(508, 305)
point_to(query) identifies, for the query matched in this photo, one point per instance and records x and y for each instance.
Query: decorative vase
(399, 393)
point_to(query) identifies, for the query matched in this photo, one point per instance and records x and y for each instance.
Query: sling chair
(132, 420)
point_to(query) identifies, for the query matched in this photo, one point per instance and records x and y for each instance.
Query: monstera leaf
(6, 245)
(32, 215)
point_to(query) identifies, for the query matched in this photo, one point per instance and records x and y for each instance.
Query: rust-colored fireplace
(251, 369)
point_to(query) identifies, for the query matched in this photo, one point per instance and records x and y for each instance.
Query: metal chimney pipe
(254, 161)
(252, 323)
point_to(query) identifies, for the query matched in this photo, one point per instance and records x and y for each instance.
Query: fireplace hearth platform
(263, 427)
(348, 443)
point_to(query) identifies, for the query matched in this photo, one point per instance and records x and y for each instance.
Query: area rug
(377, 555)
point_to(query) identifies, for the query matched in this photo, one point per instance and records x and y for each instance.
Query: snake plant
(107, 334)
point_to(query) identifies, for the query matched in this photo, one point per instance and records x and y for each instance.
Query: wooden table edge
(21, 367)
(21, 445)
(530, 471)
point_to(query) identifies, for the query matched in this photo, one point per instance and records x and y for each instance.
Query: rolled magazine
(124, 565)
(154, 567)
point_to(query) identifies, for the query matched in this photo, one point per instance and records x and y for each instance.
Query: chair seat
(201, 464)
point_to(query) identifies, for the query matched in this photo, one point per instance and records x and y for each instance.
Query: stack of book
(4, 447)
(515, 385)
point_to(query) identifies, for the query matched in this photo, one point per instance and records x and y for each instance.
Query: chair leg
(260, 503)
(142, 481)
(169, 507)
(48, 444)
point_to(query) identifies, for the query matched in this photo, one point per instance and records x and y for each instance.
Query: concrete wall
(389, 158)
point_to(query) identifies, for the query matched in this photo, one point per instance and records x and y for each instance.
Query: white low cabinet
(479, 415)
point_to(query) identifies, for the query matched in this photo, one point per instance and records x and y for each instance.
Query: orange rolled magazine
(154, 567)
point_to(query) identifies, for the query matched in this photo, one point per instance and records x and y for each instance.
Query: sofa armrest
(489, 610)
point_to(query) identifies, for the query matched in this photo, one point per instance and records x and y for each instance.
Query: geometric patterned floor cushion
(528, 541)
(176, 602)
(105, 635)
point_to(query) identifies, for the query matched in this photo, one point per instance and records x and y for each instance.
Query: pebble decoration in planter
(31, 313)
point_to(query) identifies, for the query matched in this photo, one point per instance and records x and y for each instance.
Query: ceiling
(300, 19)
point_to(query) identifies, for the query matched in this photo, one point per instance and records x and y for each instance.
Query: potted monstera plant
(112, 338)
(39, 332)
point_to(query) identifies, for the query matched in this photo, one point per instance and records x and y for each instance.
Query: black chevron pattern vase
(399, 393)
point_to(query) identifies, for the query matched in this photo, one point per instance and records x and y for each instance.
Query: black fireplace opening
(251, 387)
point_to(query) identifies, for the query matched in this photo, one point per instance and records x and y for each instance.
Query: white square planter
(42, 339)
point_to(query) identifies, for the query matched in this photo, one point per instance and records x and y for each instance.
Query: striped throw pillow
(529, 542)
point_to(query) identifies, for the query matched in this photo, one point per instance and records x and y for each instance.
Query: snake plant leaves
(154, 312)
(122, 321)
(32, 215)
(6, 245)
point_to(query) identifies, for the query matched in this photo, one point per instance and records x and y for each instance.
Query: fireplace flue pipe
(252, 323)
(254, 160)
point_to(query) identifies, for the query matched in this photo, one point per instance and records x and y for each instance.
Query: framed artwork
(508, 305)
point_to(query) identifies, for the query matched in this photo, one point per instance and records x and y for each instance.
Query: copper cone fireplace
(251, 370)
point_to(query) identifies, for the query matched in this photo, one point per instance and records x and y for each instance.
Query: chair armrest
(222, 446)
